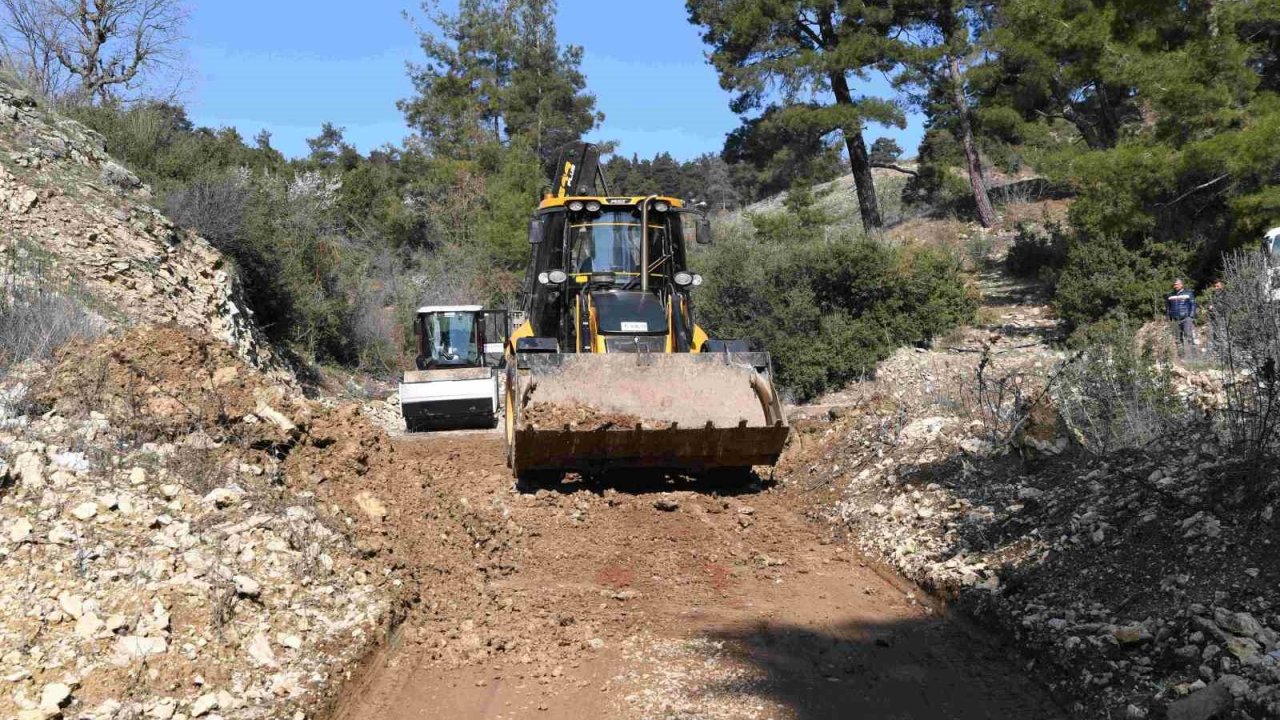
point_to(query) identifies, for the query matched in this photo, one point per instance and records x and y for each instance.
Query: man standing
(1181, 308)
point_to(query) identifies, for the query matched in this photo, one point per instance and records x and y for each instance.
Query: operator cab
(588, 286)
(609, 242)
(457, 336)
(459, 349)
(1271, 244)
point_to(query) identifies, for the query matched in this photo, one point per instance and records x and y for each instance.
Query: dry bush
(213, 208)
(1245, 319)
(36, 315)
(1006, 402)
(1118, 393)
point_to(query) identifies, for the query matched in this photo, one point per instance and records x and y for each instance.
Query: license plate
(635, 327)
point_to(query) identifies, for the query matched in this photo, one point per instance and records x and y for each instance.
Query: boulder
(1202, 704)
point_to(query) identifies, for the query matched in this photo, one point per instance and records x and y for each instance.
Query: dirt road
(653, 599)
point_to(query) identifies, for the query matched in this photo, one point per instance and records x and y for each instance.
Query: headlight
(661, 206)
(697, 280)
(575, 205)
(683, 279)
(593, 206)
(557, 276)
(544, 278)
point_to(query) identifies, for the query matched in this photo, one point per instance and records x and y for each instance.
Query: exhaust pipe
(644, 243)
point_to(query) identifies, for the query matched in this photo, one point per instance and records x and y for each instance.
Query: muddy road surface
(652, 599)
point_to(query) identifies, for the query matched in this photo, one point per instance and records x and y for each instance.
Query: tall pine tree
(495, 72)
(810, 51)
(936, 66)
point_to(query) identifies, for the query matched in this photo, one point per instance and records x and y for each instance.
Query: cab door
(494, 331)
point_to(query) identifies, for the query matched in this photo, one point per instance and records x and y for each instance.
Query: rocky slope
(86, 220)
(168, 544)
(1139, 583)
(182, 534)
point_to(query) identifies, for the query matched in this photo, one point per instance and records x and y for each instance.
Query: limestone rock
(260, 651)
(371, 506)
(53, 697)
(132, 648)
(30, 467)
(246, 586)
(20, 530)
(203, 705)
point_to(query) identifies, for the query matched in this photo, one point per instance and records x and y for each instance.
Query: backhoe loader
(606, 368)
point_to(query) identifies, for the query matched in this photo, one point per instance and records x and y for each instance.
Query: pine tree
(469, 56)
(807, 49)
(495, 72)
(937, 64)
(545, 101)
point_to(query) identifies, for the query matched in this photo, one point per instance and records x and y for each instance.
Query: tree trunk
(859, 160)
(977, 179)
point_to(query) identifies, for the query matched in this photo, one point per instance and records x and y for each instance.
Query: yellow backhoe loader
(606, 368)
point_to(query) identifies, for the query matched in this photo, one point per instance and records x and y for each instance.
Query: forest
(1160, 121)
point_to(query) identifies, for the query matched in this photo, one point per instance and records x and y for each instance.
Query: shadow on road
(899, 671)
(635, 482)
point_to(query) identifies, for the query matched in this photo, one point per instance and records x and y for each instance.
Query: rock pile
(162, 553)
(1142, 584)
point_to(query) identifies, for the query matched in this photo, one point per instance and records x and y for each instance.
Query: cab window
(610, 242)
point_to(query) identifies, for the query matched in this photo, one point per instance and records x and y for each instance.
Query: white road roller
(455, 383)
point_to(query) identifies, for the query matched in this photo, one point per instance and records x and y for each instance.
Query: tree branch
(808, 32)
(895, 167)
(1194, 190)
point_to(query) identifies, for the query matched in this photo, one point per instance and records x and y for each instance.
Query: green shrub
(827, 309)
(1034, 251)
(1101, 278)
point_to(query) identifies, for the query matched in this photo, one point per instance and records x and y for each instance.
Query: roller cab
(455, 383)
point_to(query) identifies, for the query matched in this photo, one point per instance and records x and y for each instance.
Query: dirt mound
(556, 416)
(168, 381)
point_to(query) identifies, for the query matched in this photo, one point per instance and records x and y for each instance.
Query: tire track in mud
(652, 599)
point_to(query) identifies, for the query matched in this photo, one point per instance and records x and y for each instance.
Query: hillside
(838, 201)
(81, 220)
(166, 549)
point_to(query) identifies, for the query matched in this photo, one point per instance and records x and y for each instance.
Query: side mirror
(703, 234)
(535, 232)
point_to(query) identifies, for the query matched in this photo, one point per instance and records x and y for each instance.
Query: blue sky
(287, 66)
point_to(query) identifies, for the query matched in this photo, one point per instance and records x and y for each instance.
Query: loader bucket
(680, 412)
